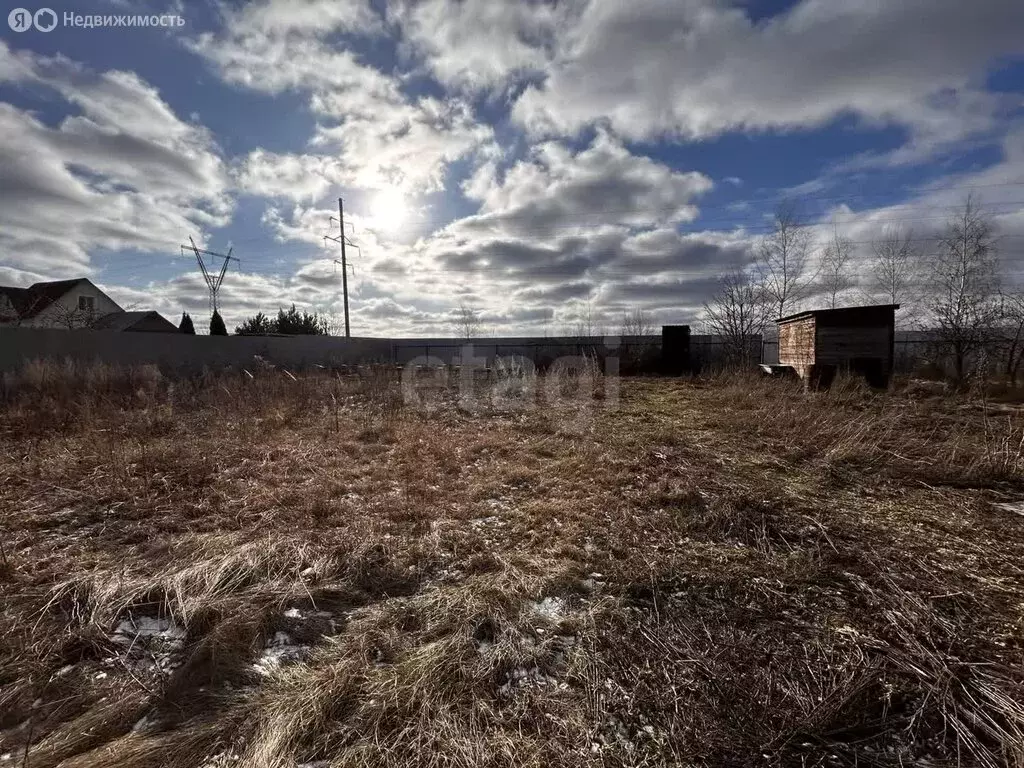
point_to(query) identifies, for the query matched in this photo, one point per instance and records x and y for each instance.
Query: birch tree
(964, 287)
(895, 267)
(737, 313)
(835, 267)
(783, 261)
(467, 322)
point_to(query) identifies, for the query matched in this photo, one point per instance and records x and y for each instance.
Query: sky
(537, 162)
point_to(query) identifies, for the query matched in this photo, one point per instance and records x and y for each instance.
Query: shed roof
(137, 320)
(839, 314)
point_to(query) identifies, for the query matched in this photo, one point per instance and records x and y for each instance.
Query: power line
(342, 238)
(747, 226)
(258, 256)
(512, 272)
(772, 198)
(213, 282)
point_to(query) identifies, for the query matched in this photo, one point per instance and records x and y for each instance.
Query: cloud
(996, 189)
(407, 145)
(554, 229)
(123, 173)
(576, 215)
(603, 184)
(697, 68)
(291, 176)
(480, 45)
(304, 16)
(378, 135)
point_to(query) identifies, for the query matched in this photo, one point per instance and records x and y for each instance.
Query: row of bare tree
(468, 324)
(951, 285)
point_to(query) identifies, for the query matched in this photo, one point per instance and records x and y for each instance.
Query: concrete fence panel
(180, 353)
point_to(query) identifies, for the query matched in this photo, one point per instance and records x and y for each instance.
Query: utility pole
(213, 282)
(344, 264)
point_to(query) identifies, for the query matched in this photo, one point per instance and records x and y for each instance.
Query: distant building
(59, 304)
(820, 342)
(135, 322)
(72, 304)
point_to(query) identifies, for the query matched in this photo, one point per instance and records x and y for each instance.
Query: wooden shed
(820, 342)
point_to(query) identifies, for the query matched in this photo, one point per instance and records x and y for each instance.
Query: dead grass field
(273, 571)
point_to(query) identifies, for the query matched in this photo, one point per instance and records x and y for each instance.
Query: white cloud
(602, 184)
(697, 68)
(554, 229)
(124, 173)
(292, 176)
(477, 44)
(381, 136)
(558, 226)
(304, 16)
(272, 62)
(401, 144)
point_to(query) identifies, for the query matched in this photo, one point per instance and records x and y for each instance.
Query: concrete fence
(179, 353)
(542, 351)
(182, 354)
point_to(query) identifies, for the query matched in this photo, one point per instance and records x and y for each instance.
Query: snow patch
(145, 627)
(302, 615)
(150, 643)
(525, 677)
(280, 649)
(485, 647)
(551, 608)
(65, 670)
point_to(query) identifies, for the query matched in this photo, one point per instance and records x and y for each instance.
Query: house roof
(29, 302)
(838, 314)
(18, 297)
(135, 321)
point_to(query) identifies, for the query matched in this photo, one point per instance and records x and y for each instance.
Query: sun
(389, 210)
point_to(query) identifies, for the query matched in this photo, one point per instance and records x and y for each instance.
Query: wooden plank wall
(796, 343)
(837, 346)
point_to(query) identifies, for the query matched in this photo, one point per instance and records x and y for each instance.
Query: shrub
(217, 327)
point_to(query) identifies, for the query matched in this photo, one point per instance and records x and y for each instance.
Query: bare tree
(588, 324)
(72, 318)
(895, 266)
(637, 323)
(835, 267)
(1011, 314)
(784, 261)
(964, 286)
(738, 313)
(467, 322)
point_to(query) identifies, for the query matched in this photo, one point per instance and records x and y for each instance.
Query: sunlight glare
(389, 210)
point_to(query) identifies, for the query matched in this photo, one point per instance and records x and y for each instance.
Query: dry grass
(268, 570)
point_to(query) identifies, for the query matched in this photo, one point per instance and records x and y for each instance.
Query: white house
(59, 304)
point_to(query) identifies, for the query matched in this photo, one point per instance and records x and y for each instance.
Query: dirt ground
(280, 571)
